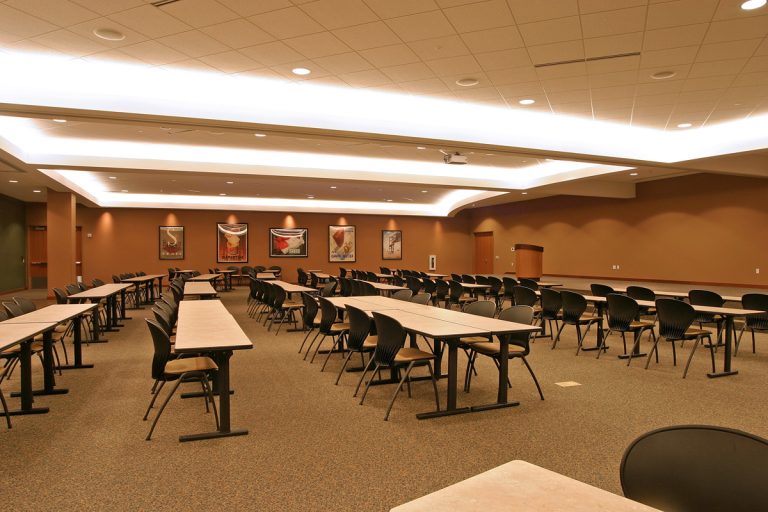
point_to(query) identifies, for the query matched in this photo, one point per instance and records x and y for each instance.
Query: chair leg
(362, 375)
(207, 386)
(311, 343)
(368, 384)
(690, 356)
(306, 337)
(601, 343)
(5, 409)
(333, 347)
(399, 387)
(317, 348)
(343, 367)
(711, 353)
(638, 335)
(579, 338)
(162, 408)
(535, 380)
(557, 338)
(155, 394)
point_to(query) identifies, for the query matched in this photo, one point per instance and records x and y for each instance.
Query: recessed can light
(310, 197)
(59, 120)
(37, 191)
(750, 5)
(525, 193)
(108, 34)
(633, 174)
(113, 177)
(123, 190)
(230, 182)
(663, 75)
(389, 200)
(333, 186)
(420, 147)
(467, 82)
(424, 191)
(13, 181)
(527, 101)
(684, 125)
(222, 194)
(259, 134)
(300, 71)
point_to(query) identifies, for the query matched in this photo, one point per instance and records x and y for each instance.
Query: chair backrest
(97, 282)
(413, 283)
(72, 289)
(398, 281)
(705, 298)
(342, 272)
(371, 276)
(495, 283)
(346, 286)
(162, 318)
(485, 308)
(368, 289)
(359, 327)
(162, 344)
(115, 279)
(524, 296)
(170, 311)
(466, 278)
(329, 314)
(429, 286)
(313, 280)
(61, 296)
(441, 288)
(757, 301)
(26, 305)
(421, 298)
(3, 315)
(520, 315)
(675, 317)
(509, 284)
(689, 468)
(574, 305)
(310, 308)
(551, 303)
(601, 290)
(402, 295)
(13, 309)
(171, 273)
(391, 338)
(385, 270)
(456, 277)
(328, 289)
(622, 311)
(303, 277)
(455, 289)
(482, 280)
(529, 283)
(640, 293)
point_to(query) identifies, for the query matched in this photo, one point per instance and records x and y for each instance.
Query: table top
(142, 279)
(678, 295)
(12, 334)
(227, 271)
(99, 292)
(548, 284)
(360, 303)
(53, 313)
(198, 288)
(205, 277)
(187, 271)
(293, 288)
(699, 309)
(206, 325)
(386, 286)
(274, 271)
(320, 275)
(523, 487)
(265, 276)
(475, 286)
(384, 276)
(440, 276)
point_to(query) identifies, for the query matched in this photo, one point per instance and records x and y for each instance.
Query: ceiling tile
(107, 7)
(613, 45)
(734, 30)
(728, 50)
(590, 6)
(369, 35)
(617, 91)
(628, 63)
(200, 13)
(453, 3)
(556, 52)
(238, 33)
(114, 55)
(756, 64)
(668, 57)
(426, 25)
(521, 89)
(760, 79)
(395, 8)
(153, 53)
(609, 23)
(193, 43)
(698, 96)
(344, 63)
(249, 7)
(656, 103)
(512, 75)
(408, 72)
(150, 21)
(477, 93)
(680, 12)
(480, 16)
(504, 59)
(688, 108)
(283, 23)
(552, 31)
(656, 87)
(69, 43)
(334, 14)
(562, 70)
(59, 12)
(272, 54)
(26, 45)
(286, 70)
(763, 48)
(526, 11)
(728, 9)
(317, 45)
(576, 96)
(716, 68)
(21, 24)
(230, 62)
(390, 55)
(613, 79)
(566, 84)
(573, 108)
(427, 86)
(494, 39)
(700, 84)
(440, 47)
(260, 73)
(454, 65)
(367, 78)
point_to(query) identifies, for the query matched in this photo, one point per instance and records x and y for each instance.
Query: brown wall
(126, 240)
(700, 228)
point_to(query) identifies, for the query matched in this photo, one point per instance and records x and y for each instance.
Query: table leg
(78, 347)
(636, 351)
(137, 296)
(727, 352)
(96, 325)
(225, 430)
(600, 342)
(25, 363)
(122, 306)
(450, 408)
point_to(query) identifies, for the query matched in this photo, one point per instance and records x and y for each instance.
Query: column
(61, 219)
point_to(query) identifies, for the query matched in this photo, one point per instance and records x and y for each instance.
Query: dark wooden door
(38, 257)
(484, 253)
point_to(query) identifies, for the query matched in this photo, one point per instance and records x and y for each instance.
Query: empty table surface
(53, 313)
(14, 333)
(386, 287)
(99, 292)
(265, 276)
(678, 295)
(294, 288)
(205, 277)
(198, 288)
(475, 286)
(523, 487)
(437, 276)
(206, 325)
(141, 279)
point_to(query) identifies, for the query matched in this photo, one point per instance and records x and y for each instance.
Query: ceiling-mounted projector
(455, 158)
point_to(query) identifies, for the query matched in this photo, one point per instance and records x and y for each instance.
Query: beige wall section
(126, 240)
(700, 228)
(60, 219)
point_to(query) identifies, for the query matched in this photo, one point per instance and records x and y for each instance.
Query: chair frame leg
(533, 375)
(362, 375)
(368, 384)
(162, 408)
(155, 394)
(5, 409)
(397, 390)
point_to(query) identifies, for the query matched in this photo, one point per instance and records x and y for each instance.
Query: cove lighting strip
(63, 82)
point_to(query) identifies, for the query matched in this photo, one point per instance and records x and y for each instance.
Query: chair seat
(370, 342)
(640, 324)
(696, 332)
(37, 346)
(587, 318)
(339, 327)
(407, 354)
(190, 364)
(489, 348)
(470, 340)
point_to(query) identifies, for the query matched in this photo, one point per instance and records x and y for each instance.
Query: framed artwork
(432, 262)
(341, 243)
(391, 244)
(288, 243)
(171, 242)
(231, 243)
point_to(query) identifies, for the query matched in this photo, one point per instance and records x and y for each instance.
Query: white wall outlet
(89, 235)
(757, 271)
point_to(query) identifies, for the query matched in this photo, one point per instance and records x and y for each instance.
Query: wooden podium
(528, 261)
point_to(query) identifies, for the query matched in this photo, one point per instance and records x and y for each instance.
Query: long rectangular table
(109, 293)
(207, 326)
(149, 288)
(12, 334)
(203, 289)
(205, 277)
(293, 288)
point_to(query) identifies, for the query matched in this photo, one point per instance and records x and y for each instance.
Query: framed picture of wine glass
(341, 244)
(231, 243)
(171, 242)
(288, 243)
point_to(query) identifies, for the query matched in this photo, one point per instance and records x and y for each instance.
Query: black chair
(529, 283)
(328, 327)
(759, 323)
(642, 293)
(413, 284)
(421, 298)
(310, 316)
(708, 298)
(165, 369)
(695, 468)
(359, 339)
(3, 371)
(601, 290)
(551, 304)
(59, 332)
(398, 281)
(390, 353)
(509, 285)
(456, 295)
(385, 270)
(328, 289)
(466, 278)
(518, 345)
(429, 286)
(494, 292)
(456, 277)
(574, 306)
(675, 319)
(342, 272)
(623, 313)
(303, 277)
(442, 288)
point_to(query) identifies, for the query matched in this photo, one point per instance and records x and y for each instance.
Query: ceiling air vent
(588, 59)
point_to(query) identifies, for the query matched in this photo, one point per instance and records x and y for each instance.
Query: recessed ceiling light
(113, 177)
(467, 82)
(527, 101)
(525, 193)
(333, 186)
(633, 174)
(13, 181)
(389, 200)
(310, 197)
(59, 120)
(750, 5)
(663, 75)
(230, 182)
(424, 191)
(123, 190)
(259, 134)
(420, 147)
(36, 191)
(300, 71)
(684, 125)
(108, 34)
(222, 194)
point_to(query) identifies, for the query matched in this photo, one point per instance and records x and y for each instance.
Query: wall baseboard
(673, 281)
